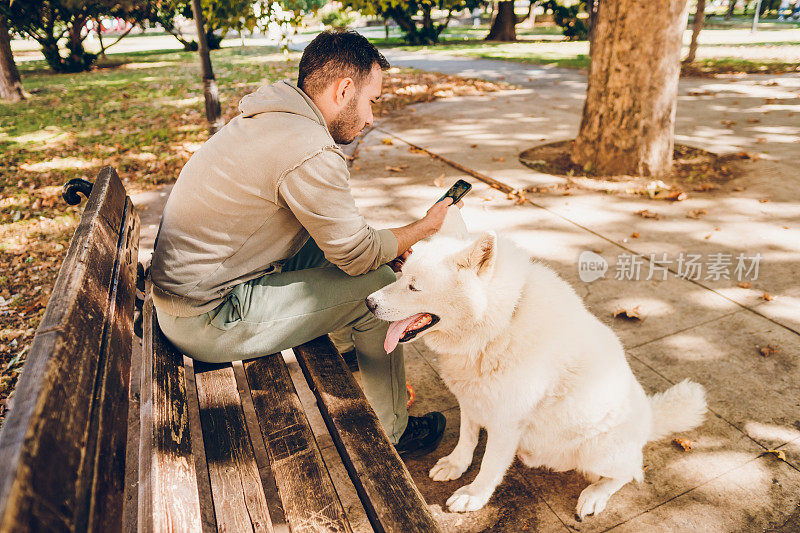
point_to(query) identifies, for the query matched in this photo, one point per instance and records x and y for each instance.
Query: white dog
(528, 362)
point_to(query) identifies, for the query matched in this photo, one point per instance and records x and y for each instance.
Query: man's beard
(344, 128)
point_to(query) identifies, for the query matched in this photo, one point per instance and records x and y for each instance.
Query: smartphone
(457, 191)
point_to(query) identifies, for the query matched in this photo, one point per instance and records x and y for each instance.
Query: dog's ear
(480, 256)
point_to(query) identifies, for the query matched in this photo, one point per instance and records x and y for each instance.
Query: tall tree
(575, 27)
(628, 118)
(504, 23)
(729, 11)
(10, 82)
(210, 90)
(697, 25)
(52, 22)
(219, 16)
(414, 17)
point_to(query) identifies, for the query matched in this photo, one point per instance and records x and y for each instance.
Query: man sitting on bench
(261, 247)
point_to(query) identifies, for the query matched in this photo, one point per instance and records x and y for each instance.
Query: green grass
(136, 97)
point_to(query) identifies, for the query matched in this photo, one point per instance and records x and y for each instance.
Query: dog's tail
(680, 408)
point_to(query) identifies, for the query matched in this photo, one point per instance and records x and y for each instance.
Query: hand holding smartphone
(457, 191)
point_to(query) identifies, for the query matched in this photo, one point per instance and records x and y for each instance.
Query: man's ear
(342, 90)
(481, 255)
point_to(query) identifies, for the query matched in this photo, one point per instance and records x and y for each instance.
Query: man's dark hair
(337, 54)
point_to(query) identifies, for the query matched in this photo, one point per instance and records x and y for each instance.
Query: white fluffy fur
(528, 362)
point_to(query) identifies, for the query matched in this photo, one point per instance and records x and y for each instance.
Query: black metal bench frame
(104, 437)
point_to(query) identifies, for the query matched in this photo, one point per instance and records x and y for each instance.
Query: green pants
(308, 298)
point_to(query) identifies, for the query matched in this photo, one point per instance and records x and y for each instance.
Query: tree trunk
(731, 7)
(628, 118)
(591, 8)
(75, 42)
(10, 83)
(409, 27)
(699, 19)
(99, 30)
(504, 25)
(210, 90)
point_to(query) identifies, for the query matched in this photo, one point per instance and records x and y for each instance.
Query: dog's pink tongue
(396, 330)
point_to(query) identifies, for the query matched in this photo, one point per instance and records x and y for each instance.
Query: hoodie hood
(280, 97)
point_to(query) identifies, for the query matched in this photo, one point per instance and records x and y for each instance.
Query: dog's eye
(412, 288)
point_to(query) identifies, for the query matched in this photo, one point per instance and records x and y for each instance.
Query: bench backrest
(63, 443)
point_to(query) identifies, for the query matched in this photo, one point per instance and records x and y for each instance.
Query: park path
(709, 330)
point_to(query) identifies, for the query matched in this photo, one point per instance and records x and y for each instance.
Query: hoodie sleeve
(318, 193)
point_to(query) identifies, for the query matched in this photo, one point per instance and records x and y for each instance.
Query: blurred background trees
(414, 17)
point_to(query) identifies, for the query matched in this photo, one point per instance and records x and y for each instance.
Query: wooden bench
(103, 437)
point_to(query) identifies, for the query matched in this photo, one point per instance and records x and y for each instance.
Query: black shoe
(351, 360)
(422, 435)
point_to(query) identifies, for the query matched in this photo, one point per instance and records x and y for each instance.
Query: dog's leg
(501, 447)
(455, 464)
(594, 498)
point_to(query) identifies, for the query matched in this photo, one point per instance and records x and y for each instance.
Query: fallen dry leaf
(766, 297)
(635, 235)
(761, 140)
(753, 120)
(728, 123)
(398, 168)
(738, 189)
(684, 444)
(628, 313)
(387, 140)
(644, 213)
(703, 187)
(411, 395)
(675, 196)
(697, 213)
(745, 284)
(498, 159)
(415, 150)
(763, 200)
(768, 350)
(518, 195)
(779, 454)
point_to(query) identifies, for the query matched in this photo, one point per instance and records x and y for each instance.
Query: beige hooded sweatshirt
(249, 198)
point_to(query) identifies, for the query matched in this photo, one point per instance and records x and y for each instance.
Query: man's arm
(408, 236)
(318, 194)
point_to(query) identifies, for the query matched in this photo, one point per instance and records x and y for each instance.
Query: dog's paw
(446, 469)
(467, 499)
(592, 501)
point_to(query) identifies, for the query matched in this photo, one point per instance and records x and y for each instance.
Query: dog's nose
(370, 304)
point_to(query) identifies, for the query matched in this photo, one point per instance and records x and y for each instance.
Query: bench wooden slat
(105, 203)
(207, 518)
(294, 456)
(130, 512)
(52, 409)
(383, 483)
(168, 497)
(109, 420)
(274, 504)
(239, 501)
